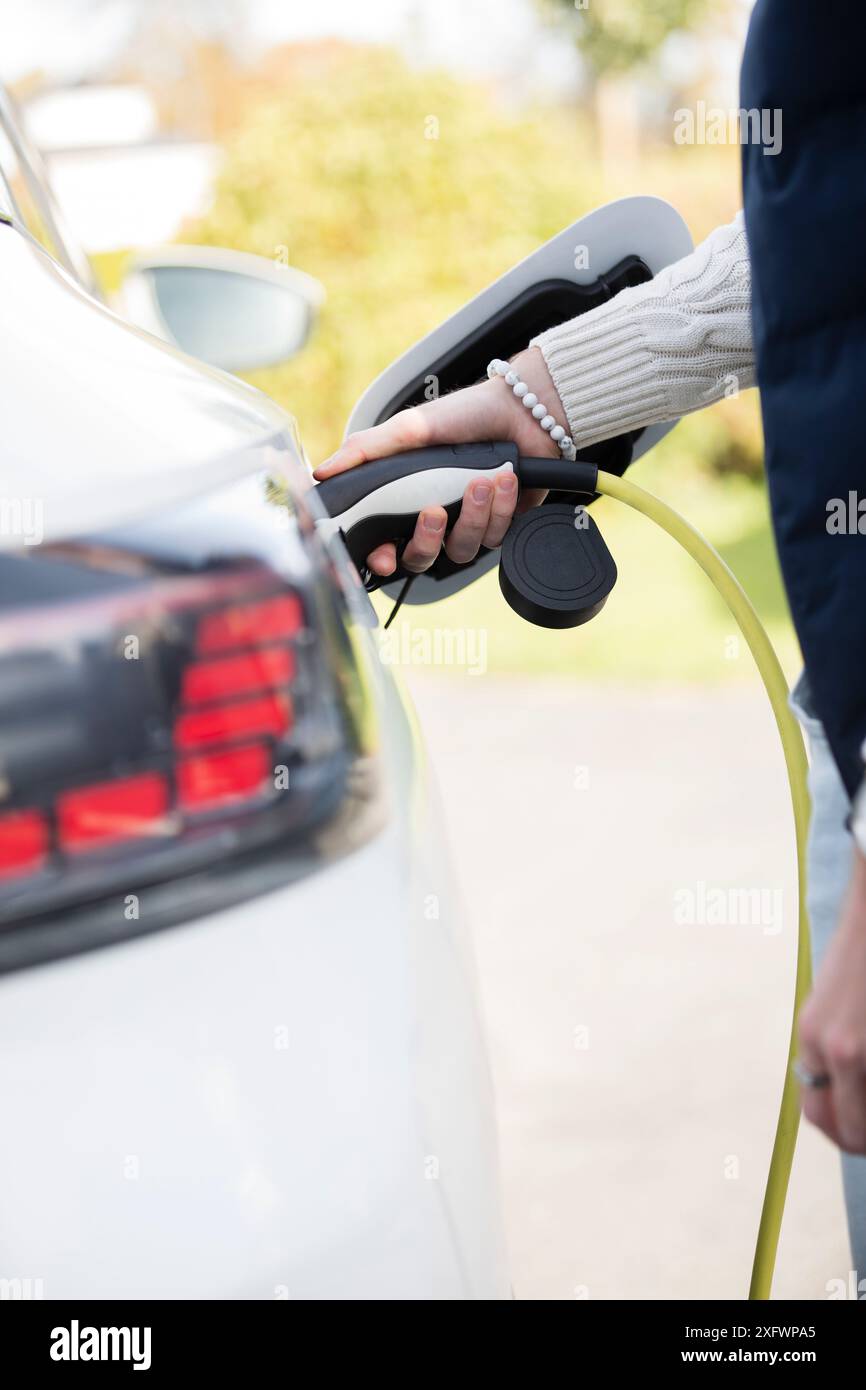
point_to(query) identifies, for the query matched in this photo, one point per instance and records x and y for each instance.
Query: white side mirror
(229, 308)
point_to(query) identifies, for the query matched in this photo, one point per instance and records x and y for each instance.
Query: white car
(240, 1054)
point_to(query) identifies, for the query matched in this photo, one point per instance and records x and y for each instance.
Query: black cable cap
(555, 569)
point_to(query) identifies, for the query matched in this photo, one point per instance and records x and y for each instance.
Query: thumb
(459, 418)
(407, 430)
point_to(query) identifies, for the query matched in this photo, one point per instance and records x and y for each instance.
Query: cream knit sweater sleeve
(658, 350)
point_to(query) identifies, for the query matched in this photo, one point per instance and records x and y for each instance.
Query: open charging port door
(621, 244)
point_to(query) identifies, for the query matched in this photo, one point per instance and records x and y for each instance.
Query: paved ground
(637, 1057)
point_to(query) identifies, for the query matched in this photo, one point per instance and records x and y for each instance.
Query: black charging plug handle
(380, 500)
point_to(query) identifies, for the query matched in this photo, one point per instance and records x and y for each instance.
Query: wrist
(532, 368)
(852, 923)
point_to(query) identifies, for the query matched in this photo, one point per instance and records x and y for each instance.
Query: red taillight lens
(268, 715)
(268, 620)
(153, 721)
(124, 809)
(218, 779)
(206, 681)
(23, 843)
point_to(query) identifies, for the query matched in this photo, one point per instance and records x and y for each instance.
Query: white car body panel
(102, 422)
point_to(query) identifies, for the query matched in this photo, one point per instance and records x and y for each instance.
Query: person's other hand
(489, 410)
(833, 1027)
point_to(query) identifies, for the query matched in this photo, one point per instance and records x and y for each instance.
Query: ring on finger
(812, 1080)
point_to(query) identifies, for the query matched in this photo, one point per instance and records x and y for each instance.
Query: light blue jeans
(828, 870)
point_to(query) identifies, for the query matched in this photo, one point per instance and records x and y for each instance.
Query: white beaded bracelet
(539, 411)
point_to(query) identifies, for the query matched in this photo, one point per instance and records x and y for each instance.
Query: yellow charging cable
(795, 762)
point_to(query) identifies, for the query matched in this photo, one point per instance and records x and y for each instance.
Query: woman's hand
(489, 410)
(833, 1027)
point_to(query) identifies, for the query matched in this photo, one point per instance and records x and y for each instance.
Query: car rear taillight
(161, 720)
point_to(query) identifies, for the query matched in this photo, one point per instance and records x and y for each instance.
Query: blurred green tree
(618, 35)
(404, 192)
(616, 39)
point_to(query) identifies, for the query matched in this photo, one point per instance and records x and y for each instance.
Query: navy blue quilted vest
(805, 210)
